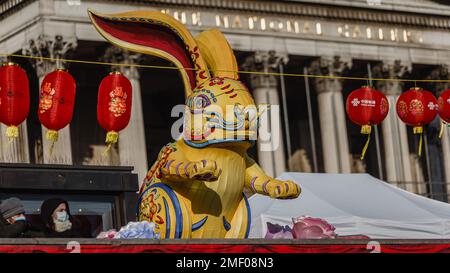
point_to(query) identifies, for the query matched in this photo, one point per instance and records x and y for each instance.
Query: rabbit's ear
(218, 54)
(158, 34)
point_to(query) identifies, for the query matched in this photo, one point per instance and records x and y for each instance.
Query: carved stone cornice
(331, 65)
(316, 11)
(325, 11)
(267, 62)
(395, 69)
(117, 55)
(57, 47)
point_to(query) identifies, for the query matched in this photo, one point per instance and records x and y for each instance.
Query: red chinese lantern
(444, 109)
(56, 102)
(417, 107)
(367, 107)
(114, 105)
(14, 98)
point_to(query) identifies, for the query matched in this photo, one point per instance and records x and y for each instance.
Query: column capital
(55, 47)
(440, 72)
(334, 65)
(392, 69)
(268, 62)
(329, 66)
(119, 55)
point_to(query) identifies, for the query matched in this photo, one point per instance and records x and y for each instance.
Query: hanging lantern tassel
(111, 138)
(12, 132)
(52, 136)
(419, 130)
(366, 130)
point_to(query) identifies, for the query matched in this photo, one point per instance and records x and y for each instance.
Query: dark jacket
(47, 209)
(15, 230)
(20, 229)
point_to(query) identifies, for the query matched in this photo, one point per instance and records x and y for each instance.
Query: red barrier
(230, 248)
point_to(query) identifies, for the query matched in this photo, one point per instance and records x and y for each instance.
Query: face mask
(62, 216)
(20, 218)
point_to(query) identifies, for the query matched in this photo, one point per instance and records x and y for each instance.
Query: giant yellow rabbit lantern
(195, 188)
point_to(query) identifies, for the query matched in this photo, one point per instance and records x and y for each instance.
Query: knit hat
(11, 207)
(49, 206)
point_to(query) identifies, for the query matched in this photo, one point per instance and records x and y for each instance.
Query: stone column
(396, 150)
(132, 147)
(57, 47)
(15, 151)
(440, 166)
(332, 113)
(265, 91)
(446, 152)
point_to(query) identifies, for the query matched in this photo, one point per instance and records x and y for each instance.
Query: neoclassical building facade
(378, 39)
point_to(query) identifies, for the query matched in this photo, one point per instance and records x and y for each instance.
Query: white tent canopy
(354, 204)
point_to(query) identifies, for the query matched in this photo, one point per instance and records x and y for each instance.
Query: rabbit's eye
(238, 108)
(201, 101)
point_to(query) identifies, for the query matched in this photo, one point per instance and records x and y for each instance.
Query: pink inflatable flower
(110, 234)
(275, 231)
(312, 228)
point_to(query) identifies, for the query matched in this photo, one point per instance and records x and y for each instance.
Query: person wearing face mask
(58, 222)
(13, 222)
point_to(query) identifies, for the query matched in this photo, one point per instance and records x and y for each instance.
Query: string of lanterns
(415, 107)
(57, 100)
(365, 106)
